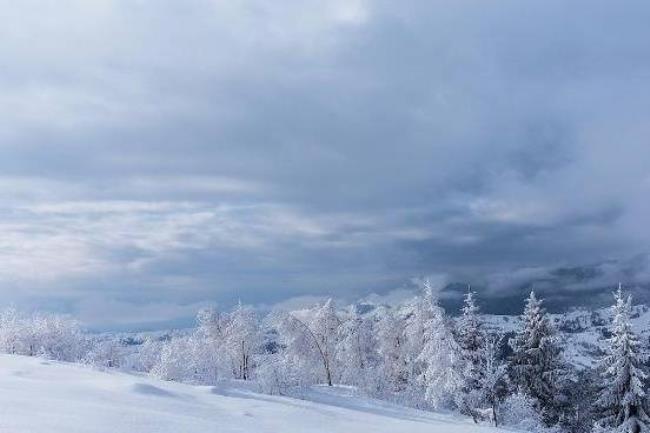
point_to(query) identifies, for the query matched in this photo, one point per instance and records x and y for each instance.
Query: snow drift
(46, 396)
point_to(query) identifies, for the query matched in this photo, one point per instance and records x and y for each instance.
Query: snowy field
(39, 396)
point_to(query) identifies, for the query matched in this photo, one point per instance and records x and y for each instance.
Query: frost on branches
(536, 366)
(310, 344)
(357, 352)
(437, 364)
(482, 371)
(623, 402)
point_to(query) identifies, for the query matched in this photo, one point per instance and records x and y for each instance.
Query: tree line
(413, 354)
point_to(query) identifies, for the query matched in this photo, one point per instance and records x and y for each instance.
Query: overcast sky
(160, 155)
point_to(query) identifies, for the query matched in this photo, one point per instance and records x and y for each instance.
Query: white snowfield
(39, 396)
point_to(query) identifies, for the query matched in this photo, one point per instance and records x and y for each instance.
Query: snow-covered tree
(357, 350)
(177, 361)
(242, 339)
(106, 353)
(438, 362)
(148, 354)
(206, 347)
(490, 385)
(42, 334)
(623, 402)
(471, 340)
(310, 342)
(392, 348)
(519, 411)
(12, 328)
(536, 365)
(210, 324)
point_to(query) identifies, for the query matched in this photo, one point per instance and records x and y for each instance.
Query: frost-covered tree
(206, 347)
(242, 338)
(310, 343)
(471, 339)
(176, 361)
(357, 350)
(42, 334)
(392, 348)
(148, 354)
(438, 362)
(13, 327)
(210, 324)
(519, 411)
(623, 402)
(491, 387)
(536, 366)
(57, 337)
(106, 353)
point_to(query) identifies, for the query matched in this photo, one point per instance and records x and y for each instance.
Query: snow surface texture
(39, 396)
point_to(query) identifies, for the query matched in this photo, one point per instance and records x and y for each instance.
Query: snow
(45, 396)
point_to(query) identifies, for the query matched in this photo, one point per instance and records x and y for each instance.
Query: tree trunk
(328, 373)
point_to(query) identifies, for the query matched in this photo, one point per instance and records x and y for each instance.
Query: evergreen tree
(491, 385)
(439, 357)
(471, 340)
(536, 365)
(623, 403)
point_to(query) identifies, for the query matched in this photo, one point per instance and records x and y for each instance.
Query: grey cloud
(177, 154)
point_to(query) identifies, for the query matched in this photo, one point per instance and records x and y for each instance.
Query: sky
(157, 156)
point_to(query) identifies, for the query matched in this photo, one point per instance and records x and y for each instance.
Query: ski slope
(39, 396)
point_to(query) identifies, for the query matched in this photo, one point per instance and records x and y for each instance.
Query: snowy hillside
(582, 331)
(44, 396)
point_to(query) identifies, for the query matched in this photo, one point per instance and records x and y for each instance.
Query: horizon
(450, 298)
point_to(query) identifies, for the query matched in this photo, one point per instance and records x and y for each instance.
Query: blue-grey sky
(156, 155)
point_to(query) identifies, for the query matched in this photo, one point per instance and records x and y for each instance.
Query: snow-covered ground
(38, 396)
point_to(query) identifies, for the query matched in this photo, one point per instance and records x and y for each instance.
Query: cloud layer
(163, 155)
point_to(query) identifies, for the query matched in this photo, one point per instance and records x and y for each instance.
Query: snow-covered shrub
(518, 411)
(106, 353)
(150, 353)
(176, 361)
(50, 335)
(275, 376)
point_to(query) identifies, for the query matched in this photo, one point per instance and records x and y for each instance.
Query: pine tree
(491, 385)
(471, 340)
(440, 355)
(623, 403)
(482, 370)
(536, 365)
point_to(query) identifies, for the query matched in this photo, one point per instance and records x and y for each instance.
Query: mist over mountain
(563, 288)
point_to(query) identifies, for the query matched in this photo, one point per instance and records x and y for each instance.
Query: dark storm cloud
(163, 155)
